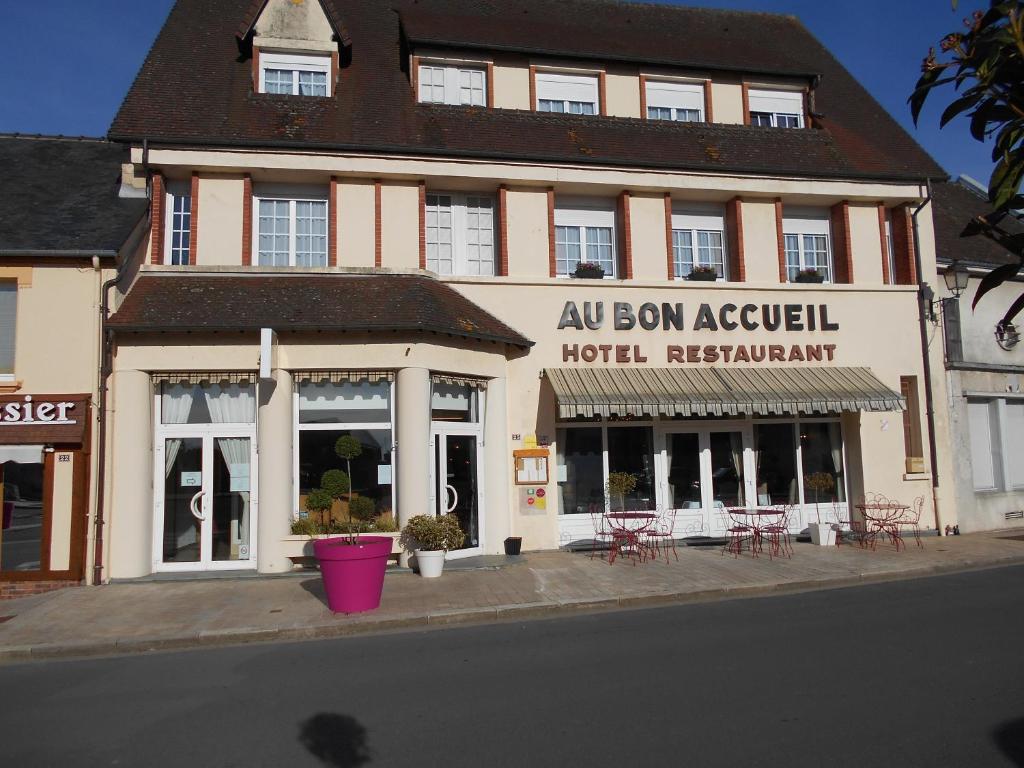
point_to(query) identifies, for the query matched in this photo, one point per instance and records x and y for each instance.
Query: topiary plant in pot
(430, 537)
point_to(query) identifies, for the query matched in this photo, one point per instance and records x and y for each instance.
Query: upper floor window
(584, 231)
(683, 102)
(445, 84)
(179, 220)
(890, 254)
(295, 74)
(698, 240)
(806, 235)
(291, 231)
(460, 234)
(575, 94)
(776, 109)
(8, 326)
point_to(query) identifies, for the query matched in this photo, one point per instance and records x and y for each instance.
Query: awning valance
(458, 381)
(204, 377)
(343, 377)
(590, 392)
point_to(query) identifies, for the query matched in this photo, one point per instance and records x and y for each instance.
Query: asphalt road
(918, 673)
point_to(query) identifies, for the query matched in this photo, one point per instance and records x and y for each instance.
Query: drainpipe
(929, 397)
(106, 337)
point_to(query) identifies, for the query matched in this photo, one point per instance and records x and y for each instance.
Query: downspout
(924, 301)
(106, 337)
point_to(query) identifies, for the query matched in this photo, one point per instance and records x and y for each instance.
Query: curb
(471, 616)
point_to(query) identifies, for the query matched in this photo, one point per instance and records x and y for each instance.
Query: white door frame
(440, 430)
(207, 433)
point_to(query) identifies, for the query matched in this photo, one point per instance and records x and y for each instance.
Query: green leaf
(994, 279)
(929, 80)
(960, 105)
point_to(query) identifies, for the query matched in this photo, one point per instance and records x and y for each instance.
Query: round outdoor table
(884, 518)
(754, 518)
(627, 528)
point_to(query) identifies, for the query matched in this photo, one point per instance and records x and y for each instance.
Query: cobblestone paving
(153, 615)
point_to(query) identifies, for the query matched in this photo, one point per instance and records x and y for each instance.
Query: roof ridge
(51, 137)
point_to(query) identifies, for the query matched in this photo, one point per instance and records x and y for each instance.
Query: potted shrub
(589, 271)
(620, 484)
(703, 273)
(352, 568)
(822, 534)
(430, 537)
(810, 275)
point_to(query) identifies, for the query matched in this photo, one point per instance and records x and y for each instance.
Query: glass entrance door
(205, 513)
(705, 471)
(456, 486)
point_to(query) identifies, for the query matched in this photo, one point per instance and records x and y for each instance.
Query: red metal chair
(911, 518)
(776, 532)
(661, 534)
(738, 530)
(602, 531)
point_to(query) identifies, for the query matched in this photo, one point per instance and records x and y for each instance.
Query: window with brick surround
(575, 94)
(776, 109)
(295, 74)
(460, 233)
(698, 239)
(807, 242)
(585, 231)
(682, 102)
(290, 230)
(450, 84)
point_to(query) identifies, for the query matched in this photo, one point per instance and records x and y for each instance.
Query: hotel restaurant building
(366, 219)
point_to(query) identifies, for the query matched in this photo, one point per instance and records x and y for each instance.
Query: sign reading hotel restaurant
(28, 419)
(788, 318)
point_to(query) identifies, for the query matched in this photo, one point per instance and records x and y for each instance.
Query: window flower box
(587, 271)
(809, 276)
(703, 274)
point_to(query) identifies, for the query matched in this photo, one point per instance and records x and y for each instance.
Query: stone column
(412, 418)
(129, 514)
(274, 454)
(497, 463)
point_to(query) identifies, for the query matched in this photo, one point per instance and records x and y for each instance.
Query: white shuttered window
(776, 109)
(682, 102)
(445, 84)
(575, 94)
(985, 458)
(460, 234)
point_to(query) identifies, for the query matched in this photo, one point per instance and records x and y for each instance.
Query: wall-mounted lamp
(956, 277)
(1007, 335)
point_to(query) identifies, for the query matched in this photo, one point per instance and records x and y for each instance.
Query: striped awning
(590, 392)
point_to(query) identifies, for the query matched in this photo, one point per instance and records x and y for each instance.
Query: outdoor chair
(777, 534)
(911, 518)
(737, 531)
(602, 530)
(661, 535)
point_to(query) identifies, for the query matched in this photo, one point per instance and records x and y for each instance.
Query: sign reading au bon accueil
(706, 319)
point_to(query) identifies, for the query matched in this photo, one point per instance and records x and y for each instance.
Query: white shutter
(1015, 442)
(711, 218)
(566, 87)
(8, 326)
(675, 95)
(978, 414)
(805, 221)
(784, 102)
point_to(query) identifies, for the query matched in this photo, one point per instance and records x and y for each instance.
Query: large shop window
(454, 401)
(575, 94)
(584, 231)
(23, 519)
(698, 239)
(806, 237)
(460, 234)
(683, 102)
(360, 408)
(588, 454)
(8, 327)
(291, 231)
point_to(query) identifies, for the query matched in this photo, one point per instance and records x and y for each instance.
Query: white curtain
(236, 453)
(171, 449)
(175, 407)
(670, 502)
(835, 439)
(231, 405)
(736, 444)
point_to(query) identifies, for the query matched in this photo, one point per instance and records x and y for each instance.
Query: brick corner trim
(626, 237)
(423, 223)
(533, 88)
(552, 263)
(503, 230)
(332, 224)
(643, 97)
(734, 227)
(156, 229)
(669, 255)
(842, 247)
(378, 244)
(886, 277)
(193, 229)
(709, 109)
(781, 241)
(247, 220)
(746, 103)
(602, 93)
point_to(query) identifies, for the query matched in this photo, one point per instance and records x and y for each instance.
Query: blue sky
(84, 56)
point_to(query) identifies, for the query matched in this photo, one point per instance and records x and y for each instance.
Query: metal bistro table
(752, 524)
(882, 516)
(627, 531)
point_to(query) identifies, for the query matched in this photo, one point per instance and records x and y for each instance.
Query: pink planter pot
(353, 575)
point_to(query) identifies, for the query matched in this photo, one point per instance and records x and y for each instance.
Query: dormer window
(683, 102)
(575, 94)
(776, 109)
(446, 84)
(295, 74)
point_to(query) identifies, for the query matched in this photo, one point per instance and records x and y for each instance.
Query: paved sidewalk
(163, 615)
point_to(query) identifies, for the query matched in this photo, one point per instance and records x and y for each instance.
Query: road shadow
(335, 740)
(315, 587)
(1009, 737)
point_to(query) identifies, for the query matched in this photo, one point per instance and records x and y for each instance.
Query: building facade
(371, 224)
(58, 245)
(984, 367)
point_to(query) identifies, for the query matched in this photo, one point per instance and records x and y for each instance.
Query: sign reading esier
(43, 418)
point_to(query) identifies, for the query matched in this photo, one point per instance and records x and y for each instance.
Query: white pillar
(129, 516)
(497, 465)
(274, 454)
(412, 417)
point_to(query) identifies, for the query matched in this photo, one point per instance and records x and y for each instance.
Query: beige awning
(592, 392)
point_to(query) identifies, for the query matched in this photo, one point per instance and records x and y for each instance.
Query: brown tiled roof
(173, 301)
(955, 204)
(374, 108)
